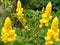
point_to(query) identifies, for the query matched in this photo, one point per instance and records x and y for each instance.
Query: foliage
(28, 31)
(34, 4)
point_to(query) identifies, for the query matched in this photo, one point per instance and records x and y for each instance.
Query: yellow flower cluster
(19, 10)
(46, 16)
(53, 33)
(8, 34)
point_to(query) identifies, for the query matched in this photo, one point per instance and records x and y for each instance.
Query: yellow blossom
(48, 38)
(46, 15)
(49, 42)
(19, 7)
(55, 24)
(43, 22)
(40, 26)
(43, 10)
(19, 10)
(8, 23)
(8, 34)
(56, 37)
(53, 33)
(26, 27)
(48, 9)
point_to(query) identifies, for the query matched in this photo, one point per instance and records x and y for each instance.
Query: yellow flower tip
(19, 10)
(7, 23)
(18, 3)
(55, 23)
(26, 27)
(49, 4)
(48, 9)
(55, 19)
(40, 26)
(7, 19)
(43, 10)
(19, 7)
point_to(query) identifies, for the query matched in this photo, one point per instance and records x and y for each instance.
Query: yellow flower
(53, 33)
(8, 23)
(43, 22)
(50, 42)
(56, 37)
(55, 24)
(48, 38)
(43, 10)
(19, 10)
(50, 32)
(26, 27)
(48, 9)
(19, 7)
(47, 14)
(49, 18)
(19, 15)
(44, 15)
(8, 34)
(40, 26)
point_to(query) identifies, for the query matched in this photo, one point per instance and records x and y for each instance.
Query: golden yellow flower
(50, 42)
(19, 15)
(49, 18)
(53, 33)
(46, 15)
(48, 38)
(48, 9)
(43, 10)
(26, 27)
(43, 22)
(8, 23)
(8, 34)
(19, 7)
(19, 10)
(55, 24)
(56, 37)
(41, 25)
(50, 32)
